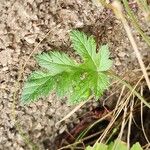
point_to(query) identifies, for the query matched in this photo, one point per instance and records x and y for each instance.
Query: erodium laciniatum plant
(66, 77)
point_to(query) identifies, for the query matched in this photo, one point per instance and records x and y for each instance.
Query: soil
(23, 24)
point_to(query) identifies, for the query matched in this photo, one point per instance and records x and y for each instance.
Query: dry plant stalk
(117, 8)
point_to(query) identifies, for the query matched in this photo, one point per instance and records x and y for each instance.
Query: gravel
(22, 25)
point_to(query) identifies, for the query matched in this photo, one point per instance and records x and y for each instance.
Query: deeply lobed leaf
(68, 78)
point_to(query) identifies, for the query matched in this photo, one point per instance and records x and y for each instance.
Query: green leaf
(77, 81)
(81, 91)
(85, 47)
(98, 146)
(100, 83)
(38, 84)
(64, 83)
(136, 146)
(55, 62)
(104, 62)
(117, 145)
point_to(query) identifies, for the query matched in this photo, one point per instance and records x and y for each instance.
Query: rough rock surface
(23, 24)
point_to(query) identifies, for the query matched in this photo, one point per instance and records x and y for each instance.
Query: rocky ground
(23, 24)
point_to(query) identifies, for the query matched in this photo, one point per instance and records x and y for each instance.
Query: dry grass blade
(89, 128)
(118, 101)
(72, 112)
(148, 142)
(130, 123)
(135, 22)
(123, 104)
(143, 4)
(118, 10)
(123, 123)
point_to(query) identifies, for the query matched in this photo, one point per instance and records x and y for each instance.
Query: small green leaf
(101, 83)
(117, 145)
(136, 146)
(98, 146)
(37, 85)
(85, 47)
(104, 62)
(55, 62)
